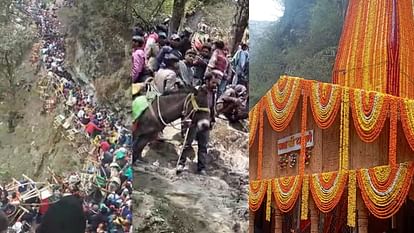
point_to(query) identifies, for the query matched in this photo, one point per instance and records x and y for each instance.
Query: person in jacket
(200, 134)
(138, 59)
(200, 64)
(166, 78)
(186, 72)
(218, 61)
(233, 103)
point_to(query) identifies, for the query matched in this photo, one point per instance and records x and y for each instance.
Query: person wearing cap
(171, 47)
(166, 78)
(138, 58)
(233, 103)
(186, 72)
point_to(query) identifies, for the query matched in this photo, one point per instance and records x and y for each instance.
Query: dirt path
(189, 202)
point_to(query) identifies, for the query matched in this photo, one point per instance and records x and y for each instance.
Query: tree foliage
(302, 42)
(16, 37)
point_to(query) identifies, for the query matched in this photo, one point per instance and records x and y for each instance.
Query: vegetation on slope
(302, 43)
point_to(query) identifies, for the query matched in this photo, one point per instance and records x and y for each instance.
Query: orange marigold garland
(281, 102)
(327, 189)
(384, 189)
(253, 122)
(392, 154)
(369, 111)
(325, 100)
(351, 199)
(260, 146)
(305, 198)
(344, 131)
(257, 192)
(407, 120)
(305, 87)
(286, 191)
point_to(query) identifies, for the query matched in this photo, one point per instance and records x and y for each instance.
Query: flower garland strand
(253, 120)
(286, 191)
(407, 120)
(260, 146)
(325, 100)
(282, 101)
(369, 118)
(269, 200)
(327, 189)
(392, 154)
(351, 219)
(305, 198)
(384, 189)
(344, 131)
(305, 86)
(256, 193)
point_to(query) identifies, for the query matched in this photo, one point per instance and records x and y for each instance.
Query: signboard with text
(292, 143)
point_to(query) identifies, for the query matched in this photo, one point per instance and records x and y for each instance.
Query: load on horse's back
(186, 103)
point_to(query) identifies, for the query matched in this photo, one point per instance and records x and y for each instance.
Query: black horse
(187, 103)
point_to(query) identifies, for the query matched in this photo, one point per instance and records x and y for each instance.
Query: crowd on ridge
(107, 136)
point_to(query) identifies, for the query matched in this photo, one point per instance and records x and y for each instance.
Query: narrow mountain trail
(186, 203)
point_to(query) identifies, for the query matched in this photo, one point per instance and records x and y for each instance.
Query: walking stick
(182, 149)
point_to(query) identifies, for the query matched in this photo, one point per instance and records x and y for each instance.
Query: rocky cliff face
(98, 54)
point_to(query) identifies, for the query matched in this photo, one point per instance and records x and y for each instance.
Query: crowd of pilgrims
(192, 59)
(186, 58)
(111, 141)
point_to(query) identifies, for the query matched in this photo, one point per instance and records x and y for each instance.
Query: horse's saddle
(141, 103)
(138, 106)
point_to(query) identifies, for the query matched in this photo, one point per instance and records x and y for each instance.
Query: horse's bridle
(190, 99)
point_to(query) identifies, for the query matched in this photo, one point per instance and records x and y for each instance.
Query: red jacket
(91, 127)
(105, 146)
(44, 206)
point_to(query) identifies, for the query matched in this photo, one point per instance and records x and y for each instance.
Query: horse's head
(197, 108)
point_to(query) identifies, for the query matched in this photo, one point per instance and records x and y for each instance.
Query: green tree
(15, 39)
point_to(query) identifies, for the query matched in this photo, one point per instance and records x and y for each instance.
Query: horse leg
(138, 145)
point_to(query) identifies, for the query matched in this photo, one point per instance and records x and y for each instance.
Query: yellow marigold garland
(257, 192)
(260, 146)
(282, 101)
(351, 198)
(269, 200)
(344, 131)
(325, 100)
(392, 153)
(305, 198)
(327, 194)
(286, 191)
(407, 120)
(369, 118)
(305, 90)
(253, 122)
(385, 188)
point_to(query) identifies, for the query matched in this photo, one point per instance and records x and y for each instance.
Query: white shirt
(17, 227)
(81, 113)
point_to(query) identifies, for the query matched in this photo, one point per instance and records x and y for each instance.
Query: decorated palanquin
(356, 164)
